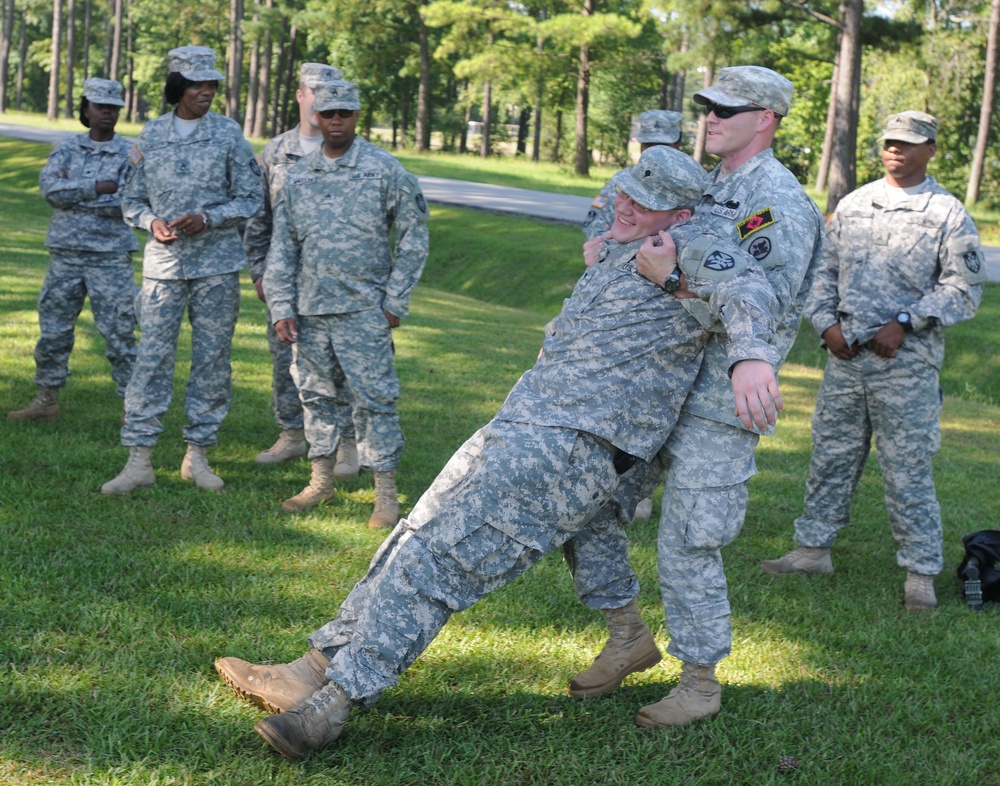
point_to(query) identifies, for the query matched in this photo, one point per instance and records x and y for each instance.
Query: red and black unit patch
(759, 220)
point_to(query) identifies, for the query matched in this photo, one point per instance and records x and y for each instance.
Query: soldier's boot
(918, 592)
(630, 648)
(386, 512)
(804, 559)
(291, 444)
(320, 488)
(698, 695)
(195, 467)
(643, 510)
(138, 473)
(276, 688)
(44, 407)
(347, 458)
(309, 726)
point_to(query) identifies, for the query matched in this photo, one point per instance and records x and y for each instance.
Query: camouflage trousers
(285, 400)
(70, 279)
(707, 466)
(343, 364)
(898, 401)
(213, 304)
(510, 495)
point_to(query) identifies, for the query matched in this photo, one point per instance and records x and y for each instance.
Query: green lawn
(113, 609)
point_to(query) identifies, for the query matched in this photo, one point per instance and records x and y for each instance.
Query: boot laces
(321, 700)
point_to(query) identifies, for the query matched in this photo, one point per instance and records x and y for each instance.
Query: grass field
(112, 610)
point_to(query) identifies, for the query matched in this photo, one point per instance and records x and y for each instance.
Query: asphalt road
(555, 207)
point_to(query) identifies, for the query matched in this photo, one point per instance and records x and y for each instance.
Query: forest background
(553, 80)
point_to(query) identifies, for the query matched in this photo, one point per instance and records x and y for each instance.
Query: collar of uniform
(728, 188)
(350, 158)
(84, 140)
(915, 202)
(204, 130)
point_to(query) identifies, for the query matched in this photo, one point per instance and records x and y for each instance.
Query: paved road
(556, 207)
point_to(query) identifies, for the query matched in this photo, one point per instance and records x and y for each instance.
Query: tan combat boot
(311, 725)
(804, 559)
(386, 512)
(44, 407)
(698, 695)
(291, 444)
(629, 649)
(138, 473)
(918, 592)
(195, 467)
(347, 458)
(276, 688)
(320, 488)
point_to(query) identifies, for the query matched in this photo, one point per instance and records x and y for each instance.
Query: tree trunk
(463, 139)
(114, 64)
(699, 139)
(555, 147)
(263, 81)
(843, 158)
(423, 138)
(253, 81)
(986, 112)
(53, 108)
(22, 55)
(522, 130)
(582, 157)
(484, 144)
(831, 112)
(234, 57)
(6, 40)
(539, 97)
(87, 19)
(70, 54)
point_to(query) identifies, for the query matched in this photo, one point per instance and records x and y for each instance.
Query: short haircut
(84, 103)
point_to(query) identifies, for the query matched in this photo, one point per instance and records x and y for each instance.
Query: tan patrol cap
(910, 126)
(749, 84)
(663, 179)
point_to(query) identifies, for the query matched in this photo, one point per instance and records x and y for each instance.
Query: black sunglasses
(726, 112)
(327, 114)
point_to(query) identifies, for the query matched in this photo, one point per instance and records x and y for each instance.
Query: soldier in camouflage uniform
(336, 289)
(656, 127)
(615, 367)
(275, 160)
(902, 262)
(196, 179)
(708, 457)
(90, 249)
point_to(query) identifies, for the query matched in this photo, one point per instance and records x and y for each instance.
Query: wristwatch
(672, 282)
(903, 318)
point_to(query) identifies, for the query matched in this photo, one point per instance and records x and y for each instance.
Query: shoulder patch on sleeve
(599, 202)
(135, 155)
(759, 220)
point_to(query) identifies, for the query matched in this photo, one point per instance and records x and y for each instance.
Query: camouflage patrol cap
(194, 63)
(910, 126)
(104, 91)
(659, 127)
(664, 179)
(311, 74)
(749, 84)
(337, 94)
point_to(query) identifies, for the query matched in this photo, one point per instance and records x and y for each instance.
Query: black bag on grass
(979, 570)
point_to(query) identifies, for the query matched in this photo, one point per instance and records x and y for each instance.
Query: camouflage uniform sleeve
(245, 189)
(257, 235)
(281, 270)
(959, 289)
(412, 244)
(736, 290)
(601, 215)
(136, 208)
(58, 190)
(821, 305)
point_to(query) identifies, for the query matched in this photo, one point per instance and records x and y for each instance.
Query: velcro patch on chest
(756, 222)
(366, 175)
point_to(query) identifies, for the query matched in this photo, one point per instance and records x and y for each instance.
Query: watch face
(672, 282)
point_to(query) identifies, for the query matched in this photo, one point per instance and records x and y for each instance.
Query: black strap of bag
(979, 570)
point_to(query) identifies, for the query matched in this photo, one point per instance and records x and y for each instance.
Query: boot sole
(243, 692)
(775, 570)
(276, 741)
(136, 487)
(608, 687)
(649, 723)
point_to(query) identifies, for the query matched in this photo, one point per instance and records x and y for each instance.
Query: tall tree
(70, 54)
(115, 43)
(234, 60)
(6, 40)
(54, 63)
(986, 112)
(843, 157)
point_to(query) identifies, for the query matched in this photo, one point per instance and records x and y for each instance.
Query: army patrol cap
(911, 126)
(659, 127)
(337, 94)
(194, 63)
(104, 91)
(746, 85)
(664, 179)
(311, 74)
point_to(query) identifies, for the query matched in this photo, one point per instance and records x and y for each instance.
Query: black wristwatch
(672, 282)
(904, 319)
